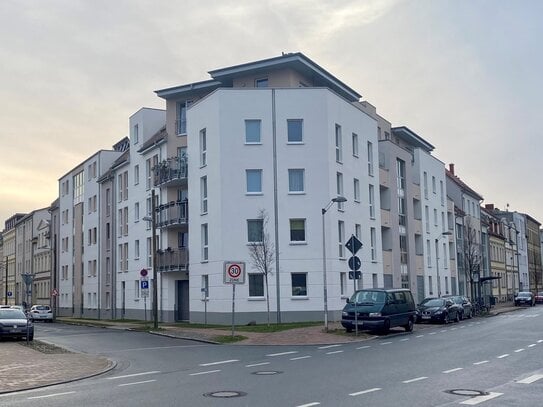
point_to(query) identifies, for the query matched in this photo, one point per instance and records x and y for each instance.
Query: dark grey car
(465, 303)
(14, 324)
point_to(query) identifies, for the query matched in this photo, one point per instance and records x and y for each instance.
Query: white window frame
(355, 144)
(339, 144)
(203, 148)
(253, 171)
(205, 242)
(290, 186)
(203, 195)
(253, 121)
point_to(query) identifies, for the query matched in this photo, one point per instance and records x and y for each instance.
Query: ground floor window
(256, 285)
(299, 284)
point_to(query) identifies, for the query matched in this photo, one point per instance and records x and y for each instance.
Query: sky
(465, 75)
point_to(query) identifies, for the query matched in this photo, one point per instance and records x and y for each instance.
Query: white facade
(229, 206)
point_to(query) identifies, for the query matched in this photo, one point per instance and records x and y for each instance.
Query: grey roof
(412, 138)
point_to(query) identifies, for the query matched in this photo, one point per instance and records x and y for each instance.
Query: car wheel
(409, 326)
(386, 326)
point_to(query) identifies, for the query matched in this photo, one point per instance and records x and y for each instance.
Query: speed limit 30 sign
(234, 272)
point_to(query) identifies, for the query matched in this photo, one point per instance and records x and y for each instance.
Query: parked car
(525, 298)
(441, 310)
(465, 303)
(539, 297)
(379, 309)
(41, 312)
(14, 324)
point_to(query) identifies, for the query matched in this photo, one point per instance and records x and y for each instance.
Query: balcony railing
(172, 214)
(172, 171)
(173, 259)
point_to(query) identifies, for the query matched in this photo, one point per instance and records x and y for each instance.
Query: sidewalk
(25, 368)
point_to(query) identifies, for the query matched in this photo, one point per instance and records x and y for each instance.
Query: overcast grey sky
(466, 75)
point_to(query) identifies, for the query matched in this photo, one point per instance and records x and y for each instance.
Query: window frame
(292, 222)
(292, 141)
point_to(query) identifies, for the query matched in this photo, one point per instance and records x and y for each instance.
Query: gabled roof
(412, 138)
(463, 185)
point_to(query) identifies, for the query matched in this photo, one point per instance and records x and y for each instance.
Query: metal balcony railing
(172, 214)
(172, 171)
(173, 259)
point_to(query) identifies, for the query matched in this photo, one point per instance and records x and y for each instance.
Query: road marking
(503, 356)
(419, 336)
(532, 345)
(358, 393)
(462, 327)
(404, 339)
(222, 362)
(200, 373)
(258, 364)
(282, 353)
(51, 395)
(133, 375)
(456, 369)
(482, 362)
(539, 341)
(132, 384)
(454, 329)
(415, 379)
(334, 352)
(364, 347)
(300, 357)
(479, 399)
(386, 343)
(316, 403)
(443, 330)
(519, 350)
(531, 379)
(432, 333)
(328, 346)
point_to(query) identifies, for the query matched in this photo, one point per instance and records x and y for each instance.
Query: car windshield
(11, 314)
(42, 307)
(434, 302)
(524, 294)
(368, 297)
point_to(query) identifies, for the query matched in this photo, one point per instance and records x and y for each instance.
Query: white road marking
(222, 362)
(282, 353)
(519, 350)
(415, 379)
(432, 333)
(539, 341)
(133, 375)
(364, 347)
(482, 362)
(316, 403)
(358, 393)
(479, 399)
(386, 343)
(258, 364)
(532, 345)
(334, 352)
(328, 346)
(456, 369)
(531, 379)
(503, 356)
(419, 336)
(300, 357)
(51, 395)
(443, 330)
(200, 373)
(404, 339)
(132, 384)
(462, 327)
(454, 329)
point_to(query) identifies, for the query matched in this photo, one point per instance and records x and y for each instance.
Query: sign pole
(355, 309)
(145, 308)
(233, 306)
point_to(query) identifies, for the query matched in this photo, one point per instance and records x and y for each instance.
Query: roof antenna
(507, 206)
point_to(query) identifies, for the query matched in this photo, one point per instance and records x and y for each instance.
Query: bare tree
(262, 252)
(472, 255)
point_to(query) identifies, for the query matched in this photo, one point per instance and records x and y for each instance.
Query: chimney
(490, 207)
(451, 168)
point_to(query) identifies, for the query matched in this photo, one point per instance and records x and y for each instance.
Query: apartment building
(12, 287)
(283, 137)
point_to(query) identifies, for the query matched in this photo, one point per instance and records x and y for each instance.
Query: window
(442, 192)
(371, 199)
(427, 216)
(79, 187)
(125, 185)
(255, 231)
(256, 285)
(343, 283)
(252, 131)
(203, 148)
(254, 181)
(261, 83)
(425, 176)
(339, 189)
(182, 117)
(136, 249)
(205, 287)
(149, 252)
(339, 144)
(120, 187)
(428, 253)
(400, 169)
(430, 285)
(433, 184)
(136, 134)
(125, 220)
(435, 217)
(356, 190)
(296, 180)
(358, 231)
(136, 288)
(108, 202)
(402, 212)
(299, 284)
(373, 243)
(370, 158)
(355, 144)
(205, 242)
(295, 130)
(341, 238)
(136, 174)
(203, 195)
(297, 230)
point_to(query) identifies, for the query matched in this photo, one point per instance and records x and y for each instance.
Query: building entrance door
(182, 313)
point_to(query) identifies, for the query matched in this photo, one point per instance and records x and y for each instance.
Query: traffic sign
(143, 272)
(353, 244)
(144, 284)
(354, 263)
(234, 272)
(54, 292)
(10, 294)
(356, 275)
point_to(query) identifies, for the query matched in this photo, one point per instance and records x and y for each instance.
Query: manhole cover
(467, 392)
(225, 394)
(267, 372)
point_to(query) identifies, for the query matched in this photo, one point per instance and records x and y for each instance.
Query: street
(495, 361)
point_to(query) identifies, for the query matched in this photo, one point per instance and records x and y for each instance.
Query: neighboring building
(535, 272)
(13, 287)
(54, 225)
(497, 242)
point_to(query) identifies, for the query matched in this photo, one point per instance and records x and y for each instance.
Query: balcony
(170, 260)
(172, 215)
(417, 226)
(171, 172)
(385, 218)
(384, 178)
(416, 191)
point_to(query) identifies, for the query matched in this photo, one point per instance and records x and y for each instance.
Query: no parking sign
(234, 272)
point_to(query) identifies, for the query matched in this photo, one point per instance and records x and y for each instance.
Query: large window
(203, 194)
(339, 189)
(373, 243)
(355, 144)
(79, 187)
(252, 132)
(203, 148)
(356, 185)
(299, 284)
(296, 180)
(205, 243)
(400, 169)
(256, 285)
(341, 238)
(254, 181)
(370, 158)
(297, 230)
(371, 198)
(182, 117)
(339, 144)
(295, 130)
(255, 230)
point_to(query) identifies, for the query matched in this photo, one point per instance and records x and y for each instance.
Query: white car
(41, 313)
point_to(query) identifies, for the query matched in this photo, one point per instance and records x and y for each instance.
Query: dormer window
(261, 83)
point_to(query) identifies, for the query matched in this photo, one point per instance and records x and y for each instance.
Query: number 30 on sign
(234, 272)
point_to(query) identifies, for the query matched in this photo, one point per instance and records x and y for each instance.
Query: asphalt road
(499, 360)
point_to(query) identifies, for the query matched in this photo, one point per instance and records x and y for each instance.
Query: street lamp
(437, 260)
(338, 199)
(152, 218)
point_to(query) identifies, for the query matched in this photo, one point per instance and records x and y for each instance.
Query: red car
(539, 297)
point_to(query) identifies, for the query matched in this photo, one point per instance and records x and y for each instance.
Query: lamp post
(437, 260)
(338, 199)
